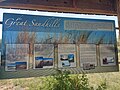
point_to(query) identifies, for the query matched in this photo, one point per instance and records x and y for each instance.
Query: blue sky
(54, 14)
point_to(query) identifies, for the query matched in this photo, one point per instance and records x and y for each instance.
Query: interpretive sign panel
(43, 55)
(88, 56)
(35, 45)
(107, 55)
(17, 57)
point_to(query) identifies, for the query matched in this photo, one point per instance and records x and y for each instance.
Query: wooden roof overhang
(108, 7)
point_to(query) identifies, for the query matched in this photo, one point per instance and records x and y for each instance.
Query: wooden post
(118, 14)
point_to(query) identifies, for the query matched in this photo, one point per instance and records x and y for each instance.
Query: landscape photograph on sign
(66, 55)
(17, 57)
(21, 65)
(61, 37)
(43, 55)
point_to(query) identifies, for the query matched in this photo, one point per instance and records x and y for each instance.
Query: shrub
(64, 81)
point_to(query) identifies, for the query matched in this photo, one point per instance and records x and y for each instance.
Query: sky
(55, 14)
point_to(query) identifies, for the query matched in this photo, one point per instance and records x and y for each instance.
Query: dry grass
(112, 79)
(37, 83)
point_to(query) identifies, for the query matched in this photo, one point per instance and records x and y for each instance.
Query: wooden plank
(76, 6)
(61, 3)
(96, 4)
(118, 14)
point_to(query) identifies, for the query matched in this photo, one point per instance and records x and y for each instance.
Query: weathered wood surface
(118, 14)
(77, 6)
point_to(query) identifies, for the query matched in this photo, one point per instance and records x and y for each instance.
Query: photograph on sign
(107, 55)
(43, 56)
(88, 58)
(66, 55)
(17, 57)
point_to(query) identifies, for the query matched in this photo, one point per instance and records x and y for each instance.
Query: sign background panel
(61, 33)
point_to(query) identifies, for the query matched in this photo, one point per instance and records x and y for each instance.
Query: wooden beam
(118, 14)
(74, 6)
